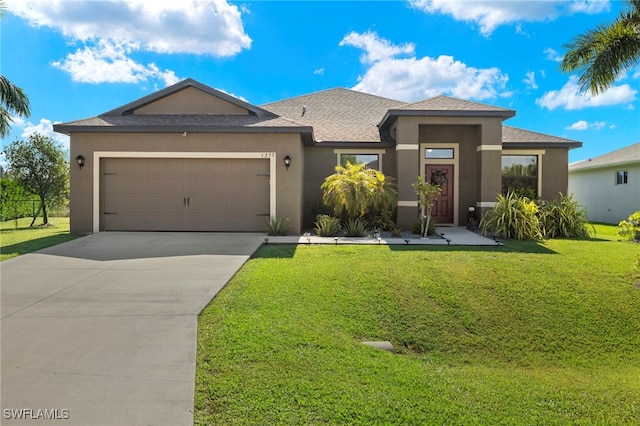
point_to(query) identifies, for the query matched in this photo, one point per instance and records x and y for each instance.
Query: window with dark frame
(622, 177)
(520, 175)
(372, 161)
(438, 153)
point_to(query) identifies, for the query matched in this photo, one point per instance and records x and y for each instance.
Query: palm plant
(602, 54)
(427, 193)
(354, 190)
(13, 100)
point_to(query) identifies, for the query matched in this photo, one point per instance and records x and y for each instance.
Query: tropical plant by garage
(277, 225)
(355, 228)
(355, 190)
(327, 226)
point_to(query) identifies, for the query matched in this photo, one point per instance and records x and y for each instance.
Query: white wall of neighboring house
(606, 201)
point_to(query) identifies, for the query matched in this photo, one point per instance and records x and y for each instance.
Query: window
(432, 153)
(621, 177)
(520, 175)
(371, 160)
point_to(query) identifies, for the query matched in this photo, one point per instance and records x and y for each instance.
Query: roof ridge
(329, 90)
(484, 104)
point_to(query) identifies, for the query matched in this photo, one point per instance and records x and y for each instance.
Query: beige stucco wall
(555, 172)
(479, 142)
(191, 101)
(289, 183)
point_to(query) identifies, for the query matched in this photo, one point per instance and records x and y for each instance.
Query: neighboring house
(608, 185)
(192, 158)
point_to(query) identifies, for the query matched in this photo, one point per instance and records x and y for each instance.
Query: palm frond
(601, 55)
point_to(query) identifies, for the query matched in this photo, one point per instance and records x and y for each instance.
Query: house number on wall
(268, 154)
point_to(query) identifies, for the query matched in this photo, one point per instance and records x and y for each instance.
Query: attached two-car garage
(184, 194)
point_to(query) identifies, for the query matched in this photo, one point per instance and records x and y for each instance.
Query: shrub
(15, 200)
(382, 222)
(630, 228)
(327, 226)
(277, 225)
(417, 228)
(513, 217)
(563, 218)
(355, 228)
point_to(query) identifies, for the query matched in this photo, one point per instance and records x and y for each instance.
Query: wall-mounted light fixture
(80, 161)
(287, 162)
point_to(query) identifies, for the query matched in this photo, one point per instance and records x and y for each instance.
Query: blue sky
(77, 59)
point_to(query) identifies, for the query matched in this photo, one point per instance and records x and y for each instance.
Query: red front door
(438, 174)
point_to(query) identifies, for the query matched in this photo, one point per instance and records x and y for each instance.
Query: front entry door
(442, 175)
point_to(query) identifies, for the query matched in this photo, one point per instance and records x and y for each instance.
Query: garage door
(158, 194)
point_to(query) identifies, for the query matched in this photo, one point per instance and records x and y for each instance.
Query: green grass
(24, 239)
(524, 334)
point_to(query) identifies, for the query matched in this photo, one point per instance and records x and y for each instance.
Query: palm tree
(13, 100)
(602, 54)
(356, 190)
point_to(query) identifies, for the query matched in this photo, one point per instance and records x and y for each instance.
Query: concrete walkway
(448, 235)
(102, 330)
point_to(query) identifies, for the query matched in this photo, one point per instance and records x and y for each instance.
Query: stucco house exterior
(192, 158)
(609, 185)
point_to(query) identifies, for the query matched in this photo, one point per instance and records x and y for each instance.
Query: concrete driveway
(102, 330)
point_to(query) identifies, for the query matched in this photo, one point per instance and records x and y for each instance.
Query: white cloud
(111, 31)
(319, 71)
(578, 125)
(570, 98)
(412, 78)
(589, 6)
(490, 14)
(45, 128)
(584, 125)
(530, 80)
(553, 55)
(211, 27)
(375, 48)
(108, 63)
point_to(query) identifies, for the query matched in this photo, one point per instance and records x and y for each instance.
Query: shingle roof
(446, 103)
(513, 137)
(337, 115)
(626, 155)
(331, 116)
(172, 123)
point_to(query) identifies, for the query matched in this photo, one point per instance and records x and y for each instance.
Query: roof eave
(589, 167)
(353, 144)
(392, 114)
(65, 129)
(568, 144)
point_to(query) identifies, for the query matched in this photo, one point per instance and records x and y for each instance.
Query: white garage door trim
(98, 155)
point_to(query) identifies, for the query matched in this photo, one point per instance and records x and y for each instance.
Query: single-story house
(608, 185)
(192, 158)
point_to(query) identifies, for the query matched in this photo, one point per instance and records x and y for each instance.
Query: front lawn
(22, 239)
(522, 334)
